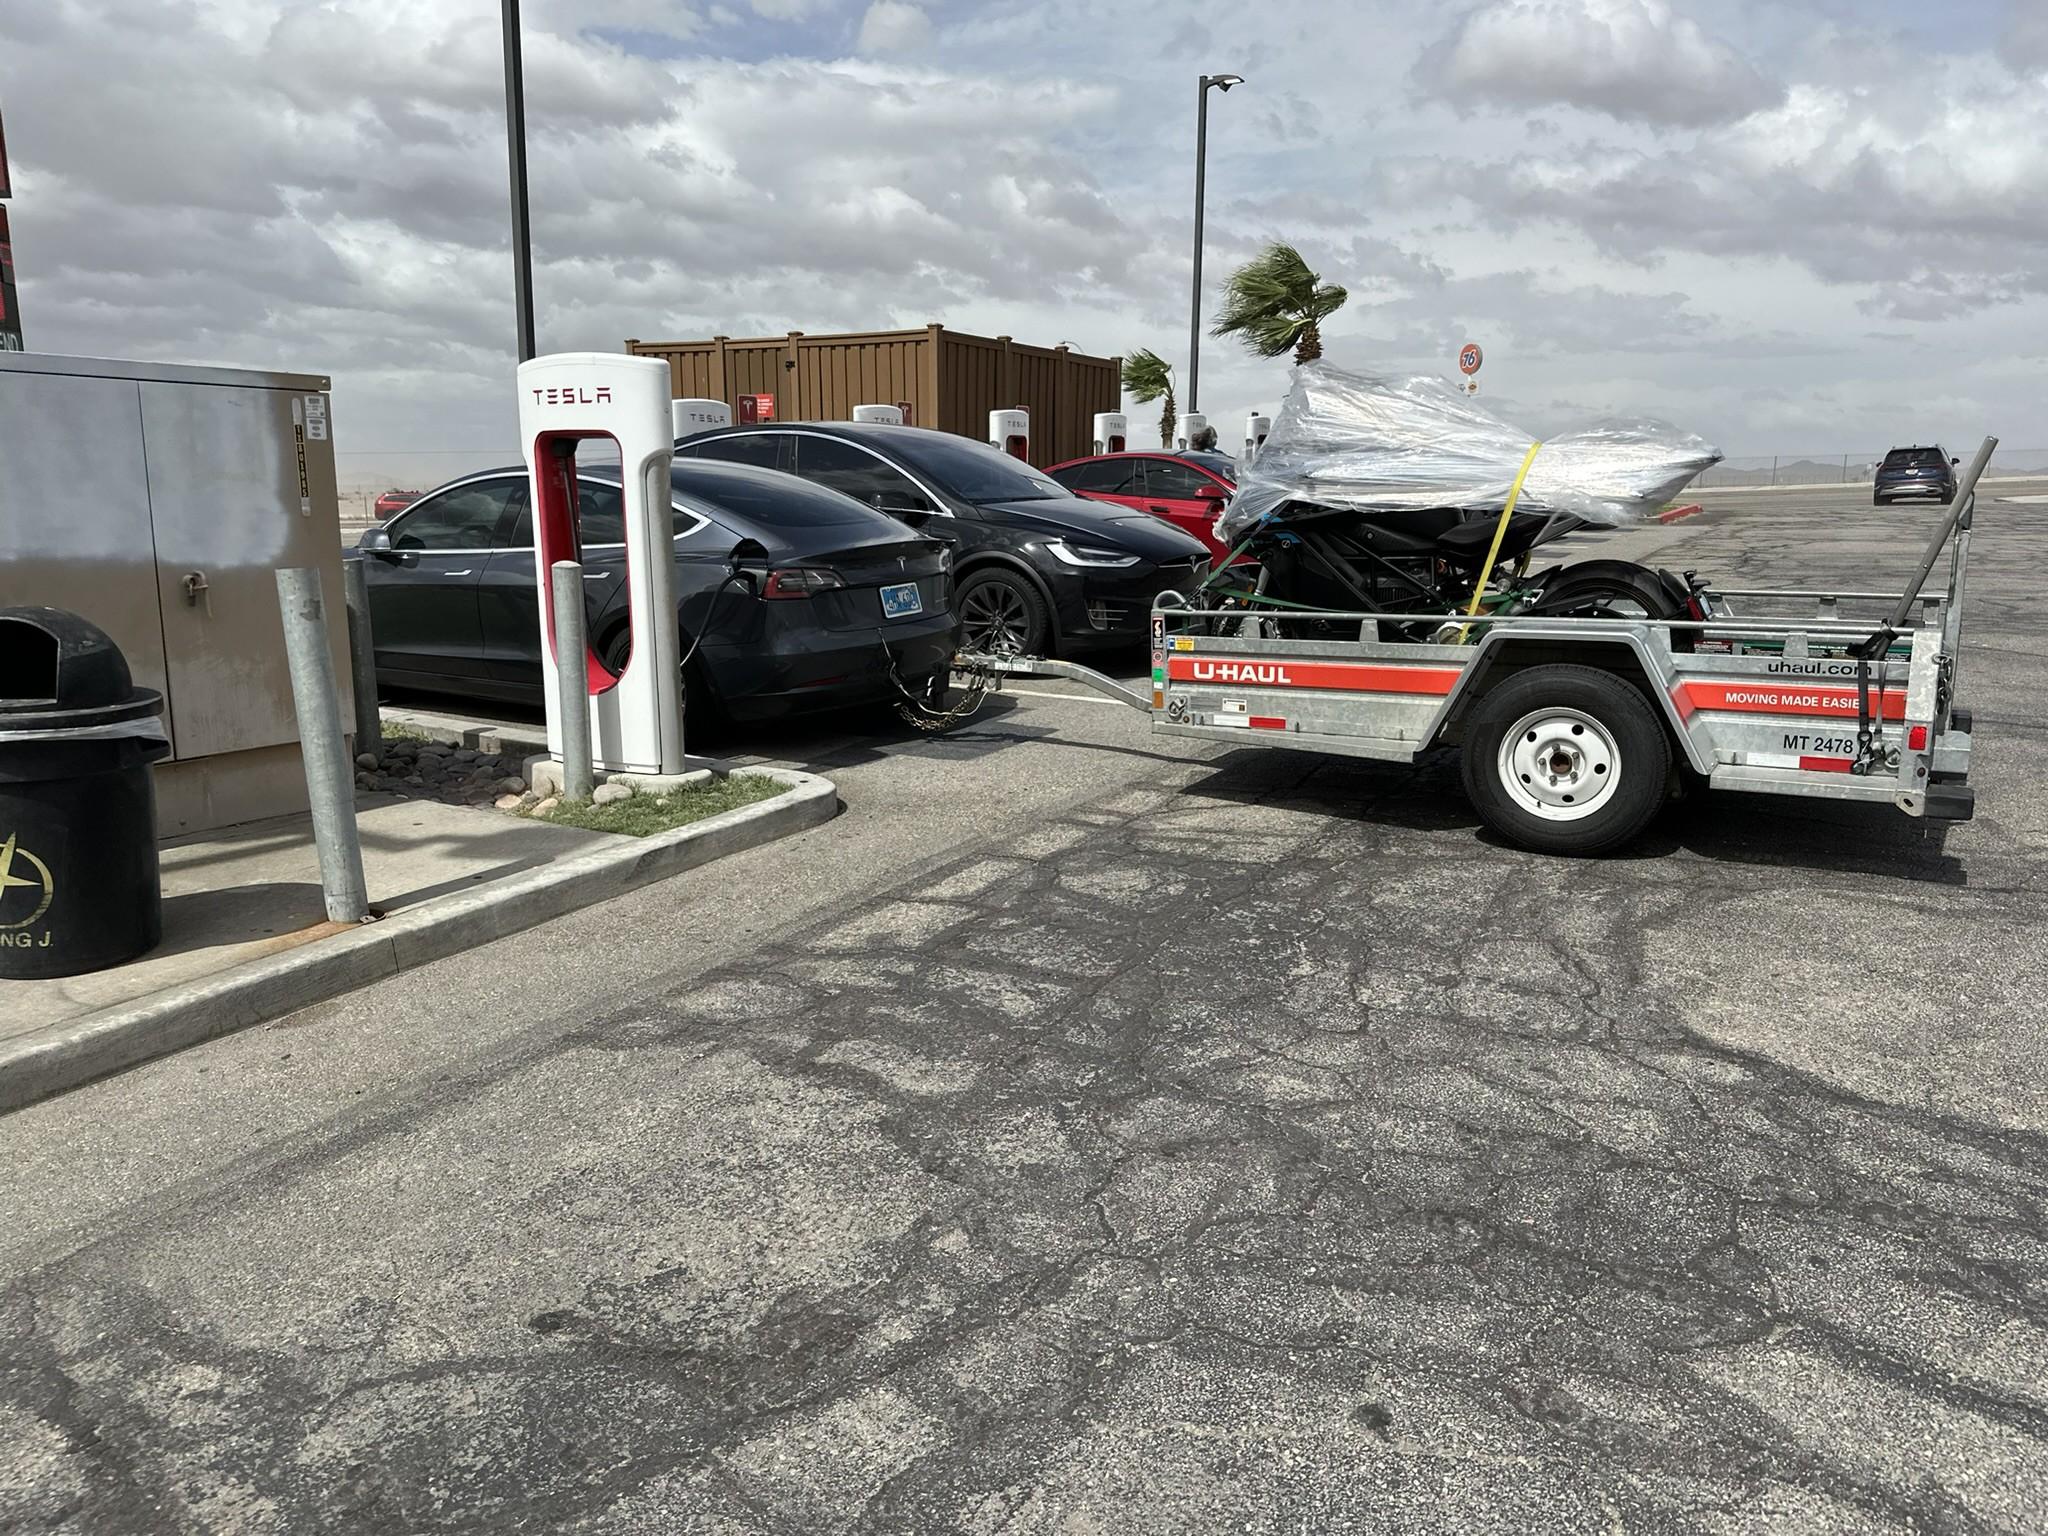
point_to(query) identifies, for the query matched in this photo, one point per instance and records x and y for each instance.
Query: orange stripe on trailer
(1339, 676)
(1795, 699)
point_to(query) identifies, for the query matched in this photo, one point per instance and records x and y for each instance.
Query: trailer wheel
(1565, 759)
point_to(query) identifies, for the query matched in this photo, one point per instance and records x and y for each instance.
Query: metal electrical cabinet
(157, 500)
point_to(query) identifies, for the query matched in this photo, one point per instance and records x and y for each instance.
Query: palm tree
(1148, 377)
(1274, 303)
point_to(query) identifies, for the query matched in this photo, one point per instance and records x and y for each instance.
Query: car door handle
(470, 572)
(597, 575)
(1161, 511)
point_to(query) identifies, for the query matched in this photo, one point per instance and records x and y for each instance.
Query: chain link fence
(1849, 468)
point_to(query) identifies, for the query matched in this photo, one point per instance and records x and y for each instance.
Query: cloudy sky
(1791, 225)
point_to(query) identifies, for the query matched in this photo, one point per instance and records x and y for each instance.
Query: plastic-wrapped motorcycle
(1402, 497)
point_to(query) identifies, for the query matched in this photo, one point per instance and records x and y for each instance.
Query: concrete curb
(1673, 514)
(69, 1055)
(513, 740)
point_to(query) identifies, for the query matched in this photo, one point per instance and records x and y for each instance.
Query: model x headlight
(1088, 555)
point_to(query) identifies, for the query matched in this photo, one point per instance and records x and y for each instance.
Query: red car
(392, 502)
(1187, 489)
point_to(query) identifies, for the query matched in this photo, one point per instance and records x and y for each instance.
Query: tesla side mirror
(1955, 461)
(1209, 490)
(375, 541)
(895, 505)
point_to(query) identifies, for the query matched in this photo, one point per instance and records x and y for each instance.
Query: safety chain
(921, 716)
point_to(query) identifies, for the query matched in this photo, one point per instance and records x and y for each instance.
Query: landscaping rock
(547, 805)
(610, 794)
(509, 802)
(366, 760)
(512, 784)
(465, 754)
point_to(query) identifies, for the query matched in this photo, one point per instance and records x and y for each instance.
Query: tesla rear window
(974, 471)
(768, 498)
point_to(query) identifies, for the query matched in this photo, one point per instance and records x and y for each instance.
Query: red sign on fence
(757, 408)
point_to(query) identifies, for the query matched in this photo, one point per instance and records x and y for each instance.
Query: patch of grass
(398, 730)
(643, 814)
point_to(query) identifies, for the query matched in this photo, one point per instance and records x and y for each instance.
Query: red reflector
(1268, 723)
(1916, 738)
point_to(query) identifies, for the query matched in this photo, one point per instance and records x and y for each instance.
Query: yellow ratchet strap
(1500, 532)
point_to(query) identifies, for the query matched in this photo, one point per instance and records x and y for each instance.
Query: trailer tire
(1566, 759)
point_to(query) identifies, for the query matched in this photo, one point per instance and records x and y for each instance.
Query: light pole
(515, 146)
(1221, 83)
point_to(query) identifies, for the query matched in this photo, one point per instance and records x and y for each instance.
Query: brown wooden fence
(950, 380)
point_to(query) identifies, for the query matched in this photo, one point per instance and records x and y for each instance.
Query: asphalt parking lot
(1086, 1134)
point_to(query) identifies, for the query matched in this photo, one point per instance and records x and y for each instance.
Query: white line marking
(2030, 500)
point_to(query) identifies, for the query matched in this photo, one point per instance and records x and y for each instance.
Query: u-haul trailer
(1570, 729)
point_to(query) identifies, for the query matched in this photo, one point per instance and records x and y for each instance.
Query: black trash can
(79, 889)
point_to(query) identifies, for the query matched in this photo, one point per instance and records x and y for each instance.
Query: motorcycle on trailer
(1342, 559)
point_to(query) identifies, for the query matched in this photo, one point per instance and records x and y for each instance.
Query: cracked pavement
(1139, 1141)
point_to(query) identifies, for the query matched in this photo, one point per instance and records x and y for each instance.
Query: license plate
(901, 602)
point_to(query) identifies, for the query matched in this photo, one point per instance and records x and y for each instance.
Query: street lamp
(1221, 83)
(515, 146)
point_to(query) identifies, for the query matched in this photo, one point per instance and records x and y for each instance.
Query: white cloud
(323, 188)
(787, 10)
(1939, 206)
(1637, 60)
(894, 26)
(2025, 43)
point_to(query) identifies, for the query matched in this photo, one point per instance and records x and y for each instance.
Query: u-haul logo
(1269, 673)
(574, 394)
(1338, 676)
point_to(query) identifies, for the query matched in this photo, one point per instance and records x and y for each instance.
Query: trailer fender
(1627, 653)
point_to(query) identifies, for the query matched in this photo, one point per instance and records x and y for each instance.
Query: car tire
(1879, 501)
(999, 608)
(1566, 759)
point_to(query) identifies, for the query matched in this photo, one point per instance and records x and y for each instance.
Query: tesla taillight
(800, 581)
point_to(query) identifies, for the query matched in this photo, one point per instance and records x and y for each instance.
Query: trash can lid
(61, 672)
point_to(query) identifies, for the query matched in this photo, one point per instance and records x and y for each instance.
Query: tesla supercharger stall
(1112, 430)
(1255, 429)
(1192, 426)
(688, 417)
(1011, 432)
(886, 415)
(565, 400)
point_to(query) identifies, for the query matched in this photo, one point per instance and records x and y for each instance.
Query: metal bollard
(565, 587)
(362, 655)
(330, 776)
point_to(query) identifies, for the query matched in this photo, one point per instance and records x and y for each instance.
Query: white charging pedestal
(1255, 429)
(689, 417)
(1112, 431)
(1192, 425)
(1011, 432)
(886, 415)
(570, 398)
